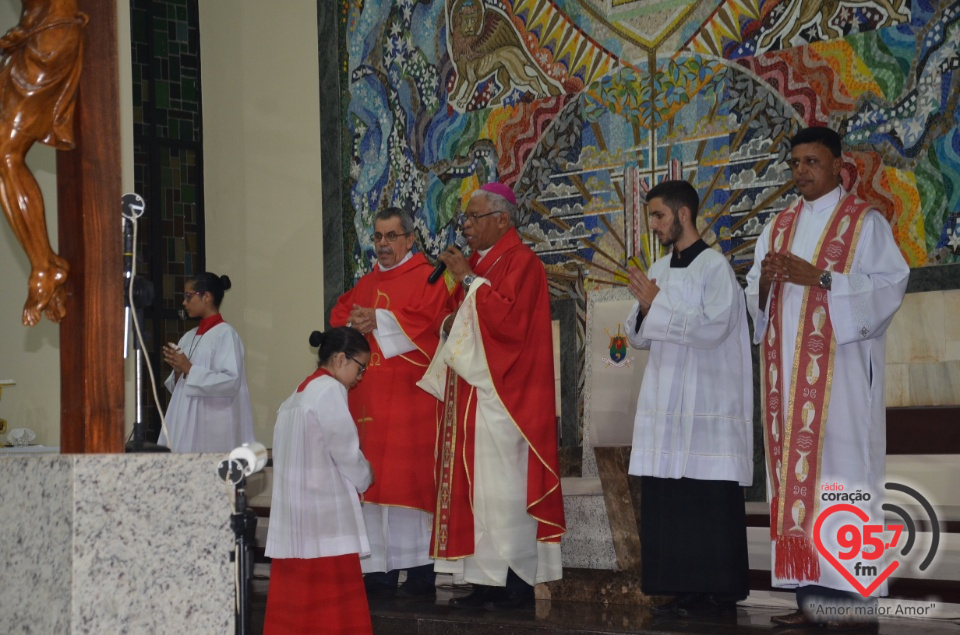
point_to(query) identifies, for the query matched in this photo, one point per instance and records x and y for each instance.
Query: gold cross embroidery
(363, 425)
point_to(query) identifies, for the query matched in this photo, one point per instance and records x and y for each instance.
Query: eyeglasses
(363, 367)
(391, 237)
(810, 162)
(473, 218)
(187, 295)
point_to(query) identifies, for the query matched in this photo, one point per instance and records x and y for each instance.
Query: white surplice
(318, 469)
(210, 407)
(862, 304)
(695, 409)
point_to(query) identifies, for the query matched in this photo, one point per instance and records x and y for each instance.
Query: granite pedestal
(115, 544)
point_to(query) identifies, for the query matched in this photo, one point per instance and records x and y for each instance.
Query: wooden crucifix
(89, 192)
(44, 96)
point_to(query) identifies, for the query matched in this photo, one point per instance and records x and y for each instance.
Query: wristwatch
(467, 281)
(826, 280)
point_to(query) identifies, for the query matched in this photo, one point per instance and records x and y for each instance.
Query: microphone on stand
(461, 244)
(138, 293)
(132, 208)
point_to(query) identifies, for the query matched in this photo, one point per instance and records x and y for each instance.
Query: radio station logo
(857, 548)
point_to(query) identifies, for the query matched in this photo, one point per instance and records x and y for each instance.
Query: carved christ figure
(39, 73)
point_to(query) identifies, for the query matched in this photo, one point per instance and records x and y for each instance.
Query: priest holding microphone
(499, 509)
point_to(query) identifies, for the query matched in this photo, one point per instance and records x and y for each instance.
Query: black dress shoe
(707, 606)
(673, 607)
(728, 608)
(477, 598)
(376, 588)
(512, 600)
(416, 588)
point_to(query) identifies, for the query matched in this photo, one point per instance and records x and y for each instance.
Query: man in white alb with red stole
(826, 281)
(499, 512)
(397, 422)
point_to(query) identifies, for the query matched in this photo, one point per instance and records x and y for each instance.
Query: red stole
(795, 503)
(515, 324)
(396, 420)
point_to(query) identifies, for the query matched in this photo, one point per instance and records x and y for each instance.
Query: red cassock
(516, 330)
(317, 595)
(396, 421)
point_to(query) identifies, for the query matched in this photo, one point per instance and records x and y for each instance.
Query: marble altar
(115, 544)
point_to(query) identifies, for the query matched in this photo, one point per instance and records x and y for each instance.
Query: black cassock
(693, 538)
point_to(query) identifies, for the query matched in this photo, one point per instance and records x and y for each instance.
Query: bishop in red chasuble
(499, 508)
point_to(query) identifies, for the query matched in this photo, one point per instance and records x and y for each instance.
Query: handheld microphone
(461, 244)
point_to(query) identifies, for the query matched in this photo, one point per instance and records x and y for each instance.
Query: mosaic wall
(168, 164)
(579, 103)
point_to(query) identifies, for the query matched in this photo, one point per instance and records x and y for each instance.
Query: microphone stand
(132, 209)
(243, 522)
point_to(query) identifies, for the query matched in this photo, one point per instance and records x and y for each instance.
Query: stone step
(392, 616)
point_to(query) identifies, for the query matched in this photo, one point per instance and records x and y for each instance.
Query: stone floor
(433, 617)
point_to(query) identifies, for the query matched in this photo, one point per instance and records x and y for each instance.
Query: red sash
(795, 503)
(448, 446)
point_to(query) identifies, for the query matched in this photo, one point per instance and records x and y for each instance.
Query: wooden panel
(621, 503)
(89, 190)
(923, 430)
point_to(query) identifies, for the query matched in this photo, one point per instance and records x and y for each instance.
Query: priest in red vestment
(499, 511)
(397, 422)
